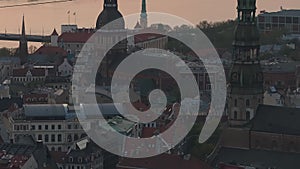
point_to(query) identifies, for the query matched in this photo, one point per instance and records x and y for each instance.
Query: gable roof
(274, 119)
(75, 37)
(51, 51)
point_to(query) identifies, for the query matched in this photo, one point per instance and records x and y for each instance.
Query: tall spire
(246, 77)
(144, 10)
(23, 46)
(144, 17)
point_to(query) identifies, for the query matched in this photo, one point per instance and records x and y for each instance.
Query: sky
(42, 19)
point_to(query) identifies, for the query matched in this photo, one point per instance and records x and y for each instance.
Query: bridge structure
(30, 38)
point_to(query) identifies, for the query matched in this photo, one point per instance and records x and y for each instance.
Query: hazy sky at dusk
(47, 17)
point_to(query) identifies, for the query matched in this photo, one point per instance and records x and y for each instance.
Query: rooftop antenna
(75, 19)
(68, 17)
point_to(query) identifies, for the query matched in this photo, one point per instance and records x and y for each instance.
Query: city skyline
(51, 16)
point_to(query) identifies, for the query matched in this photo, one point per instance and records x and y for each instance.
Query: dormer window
(80, 159)
(71, 159)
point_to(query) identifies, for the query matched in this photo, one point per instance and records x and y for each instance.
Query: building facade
(288, 20)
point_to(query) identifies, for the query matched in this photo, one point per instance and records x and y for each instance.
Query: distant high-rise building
(23, 46)
(246, 77)
(144, 16)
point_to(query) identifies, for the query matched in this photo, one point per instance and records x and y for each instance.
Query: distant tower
(246, 78)
(144, 16)
(23, 46)
(54, 38)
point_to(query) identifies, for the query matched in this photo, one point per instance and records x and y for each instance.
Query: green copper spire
(144, 10)
(144, 19)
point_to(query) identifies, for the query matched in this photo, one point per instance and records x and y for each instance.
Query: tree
(4, 52)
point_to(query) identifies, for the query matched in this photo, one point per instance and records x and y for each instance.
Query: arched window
(247, 115)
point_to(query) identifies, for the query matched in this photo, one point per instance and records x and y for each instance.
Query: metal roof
(284, 12)
(45, 110)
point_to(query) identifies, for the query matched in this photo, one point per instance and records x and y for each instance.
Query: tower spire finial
(23, 26)
(144, 19)
(23, 46)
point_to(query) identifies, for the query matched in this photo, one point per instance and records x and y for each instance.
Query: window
(69, 139)
(80, 159)
(46, 127)
(69, 126)
(76, 137)
(46, 138)
(235, 115)
(53, 127)
(275, 19)
(32, 127)
(281, 19)
(295, 20)
(235, 102)
(40, 127)
(40, 137)
(247, 102)
(59, 127)
(247, 115)
(288, 20)
(52, 137)
(71, 159)
(59, 138)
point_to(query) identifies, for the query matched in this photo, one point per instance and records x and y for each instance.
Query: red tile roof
(146, 37)
(148, 132)
(163, 161)
(75, 37)
(51, 51)
(35, 98)
(58, 157)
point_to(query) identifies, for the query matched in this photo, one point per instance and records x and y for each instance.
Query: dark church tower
(23, 47)
(246, 78)
(144, 16)
(110, 27)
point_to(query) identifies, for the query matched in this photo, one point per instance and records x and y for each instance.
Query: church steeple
(23, 46)
(246, 78)
(144, 16)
